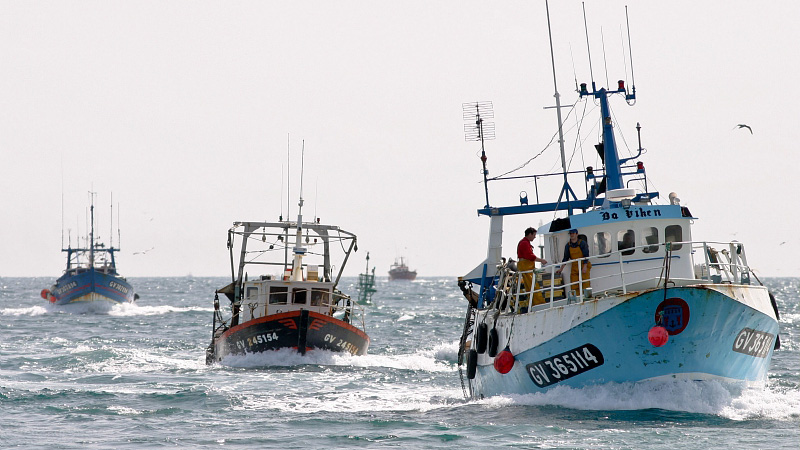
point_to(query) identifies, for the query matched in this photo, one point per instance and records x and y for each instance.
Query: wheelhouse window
(319, 298)
(626, 239)
(602, 243)
(650, 239)
(674, 233)
(299, 296)
(278, 295)
(252, 293)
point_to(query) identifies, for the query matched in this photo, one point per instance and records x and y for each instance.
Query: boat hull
(302, 330)
(724, 333)
(91, 286)
(402, 275)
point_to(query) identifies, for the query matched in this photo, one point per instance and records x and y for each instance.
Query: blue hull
(92, 286)
(724, 334)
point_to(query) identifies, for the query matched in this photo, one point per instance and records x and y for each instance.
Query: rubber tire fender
(494, 339)
(472, 363)
(481, 337)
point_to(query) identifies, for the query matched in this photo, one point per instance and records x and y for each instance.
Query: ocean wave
(29, 311)
(133, 309)
(729, 400)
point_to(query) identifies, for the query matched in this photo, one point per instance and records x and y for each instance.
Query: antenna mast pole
(299, 250)
(632, 96)
(479, 124)
(477, 129)
(111, 231)
(91, 233)
(566, 189)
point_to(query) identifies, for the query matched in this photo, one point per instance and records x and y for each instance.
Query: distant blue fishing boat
(91, 276)
(647, 303)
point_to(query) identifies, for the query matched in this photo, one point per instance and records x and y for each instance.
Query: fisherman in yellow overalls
(577, 249)
(527, 262)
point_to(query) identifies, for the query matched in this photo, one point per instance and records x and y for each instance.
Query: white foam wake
(732, 401)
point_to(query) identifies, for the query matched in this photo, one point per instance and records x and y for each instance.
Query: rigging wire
(572, 108)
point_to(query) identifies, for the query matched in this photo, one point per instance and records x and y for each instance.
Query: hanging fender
(472, 363)
(481, 337)
(493, 341)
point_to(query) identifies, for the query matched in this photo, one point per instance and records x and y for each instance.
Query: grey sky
(182, 110)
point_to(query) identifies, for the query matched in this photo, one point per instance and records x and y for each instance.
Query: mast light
(621, 84)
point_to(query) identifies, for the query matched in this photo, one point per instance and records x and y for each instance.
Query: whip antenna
(111, 240)
(588, 48)
(630, 55)
(476, 129)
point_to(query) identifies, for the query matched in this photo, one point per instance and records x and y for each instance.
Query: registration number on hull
(753, 342)
(565, 365)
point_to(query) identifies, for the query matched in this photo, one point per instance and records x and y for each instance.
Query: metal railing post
(622, 273)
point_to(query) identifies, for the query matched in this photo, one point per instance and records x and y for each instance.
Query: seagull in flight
(741, 125)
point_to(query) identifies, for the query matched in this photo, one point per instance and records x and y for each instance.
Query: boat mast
(298, 250)
(566, 190)
(477, 129)
(91, 233)
(613, 171)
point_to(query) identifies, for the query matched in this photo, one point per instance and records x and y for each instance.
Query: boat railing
(350, 309)
(712, 262)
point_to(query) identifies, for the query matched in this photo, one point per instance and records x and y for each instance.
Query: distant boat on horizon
(91, 276)
(400, 271)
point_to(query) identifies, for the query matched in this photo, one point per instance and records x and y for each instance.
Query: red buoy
(504, 361)
(658, 336)
(45, 293)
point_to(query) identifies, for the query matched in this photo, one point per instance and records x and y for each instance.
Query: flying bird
(143, 252)
(741, 125)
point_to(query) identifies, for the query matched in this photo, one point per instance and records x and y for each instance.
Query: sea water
(135, 377)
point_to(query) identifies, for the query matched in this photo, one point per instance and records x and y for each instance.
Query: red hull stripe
(291, 315)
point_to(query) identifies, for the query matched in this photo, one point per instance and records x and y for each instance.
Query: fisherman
(576, 249)
(527, 262)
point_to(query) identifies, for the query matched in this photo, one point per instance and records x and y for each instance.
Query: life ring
(480, 338)
(45, 293)
(493, 341)
(472, 363)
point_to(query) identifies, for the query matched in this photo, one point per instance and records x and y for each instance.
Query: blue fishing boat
(91, 276)
(648, 301)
